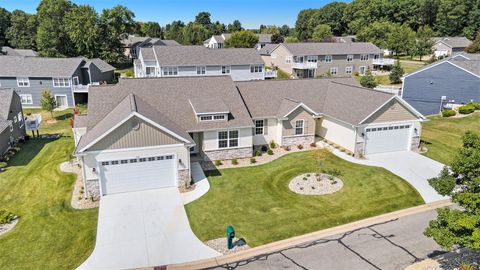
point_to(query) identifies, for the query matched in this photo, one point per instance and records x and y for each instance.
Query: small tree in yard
(48, 102)
(368, 80)
(241, 39)
(460, 226)
(396, 73)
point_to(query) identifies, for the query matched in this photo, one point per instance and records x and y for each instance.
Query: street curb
(297, 240)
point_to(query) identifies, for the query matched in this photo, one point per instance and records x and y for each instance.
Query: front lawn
(443, 136)
(262, 209)
(50, 234)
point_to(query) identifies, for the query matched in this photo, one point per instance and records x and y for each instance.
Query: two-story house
(310, 60)
(132, 44)
(67, 78)
(218, 41)
(445, 46)
(12, 123)
(143, 134)
(242, 64)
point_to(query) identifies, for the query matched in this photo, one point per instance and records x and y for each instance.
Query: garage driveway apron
(414, 168)
(144, 228)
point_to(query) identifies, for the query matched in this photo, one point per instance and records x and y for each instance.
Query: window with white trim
(256, 68)
(23, 82)
(299, 127)
(227, 139)
(150, 71)
(328, 58)
(312, 59)
(348, 70)
(362, 70)
(170, 71)
(364, 57)
(333, 71)
(212, 117)
(201, 70)
(26, 99)
(288, 59)
(350, 58)
(259, 126)
(225, 69)
(61, 82)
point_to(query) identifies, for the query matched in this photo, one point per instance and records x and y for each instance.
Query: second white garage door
(125, 175)
(387, 139)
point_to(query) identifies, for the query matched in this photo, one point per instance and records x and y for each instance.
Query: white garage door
(125, 175)
(387, 139)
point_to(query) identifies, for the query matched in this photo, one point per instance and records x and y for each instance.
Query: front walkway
(414, 168)
(142, 229)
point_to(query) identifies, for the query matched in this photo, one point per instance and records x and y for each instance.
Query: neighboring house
(455, 80)
(67, 78)
(143, 133)
(445, 46)
(132, 44)
(218, 41)
(12, 123)
(166, 61)
(5, 50)
(310, 60)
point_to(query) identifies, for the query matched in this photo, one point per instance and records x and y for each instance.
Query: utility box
(230, 237)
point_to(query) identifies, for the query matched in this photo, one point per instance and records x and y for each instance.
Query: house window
(288, 59)
(225, 69)
(328, 58)
(348, 70)
(350, 58)
(150, 71)
(201, 70)
(26, 99)
(206, 118)
(333, 71)
(170, 71)
(361, 70)
(256, 68)
(219, 117)
(227, 139)
(299, 124)
(259, 125)
(61, 82)
(23, 82)
(75, 81)
(312, 59)
(212, 117)
(364, 57)
(105, 163)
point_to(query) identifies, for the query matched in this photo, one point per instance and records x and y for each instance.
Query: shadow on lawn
(29, 150)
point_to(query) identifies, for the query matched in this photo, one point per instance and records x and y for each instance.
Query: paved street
(391, 245)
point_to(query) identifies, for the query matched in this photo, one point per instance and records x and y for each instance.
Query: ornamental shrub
(448, 113)
(466, 109)
(6, 217)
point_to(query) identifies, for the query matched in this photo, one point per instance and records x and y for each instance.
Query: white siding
(210, 141)
(337, 132)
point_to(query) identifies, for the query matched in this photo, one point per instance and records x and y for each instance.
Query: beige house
(143, 133)
(311, 60)
(445, 46)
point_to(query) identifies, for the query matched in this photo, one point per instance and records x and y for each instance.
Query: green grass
(50, 234)
(409, 67)
(282, 75)
(444, 135)
(128, 72)
(257, 201)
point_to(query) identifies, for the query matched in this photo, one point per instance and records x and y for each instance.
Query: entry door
(387, 139)
(61, 101)
(135, 174)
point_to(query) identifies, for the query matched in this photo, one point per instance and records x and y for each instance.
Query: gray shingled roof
(6, 96)
(168, 97)
(208, 104)
(340, 98)
(14, 66)
(268, 48)
(262, 38)
(147, 54)
(331, 48)
(454, 42)
(470, 65)
(17, 52)
(131, 40)
(102, 65)
(200, 55)
(167, 42)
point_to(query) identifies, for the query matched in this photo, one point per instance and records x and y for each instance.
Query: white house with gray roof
(144, 133)
(218, 41)
(68, 79)
(446, 46)
(310, 59)
(172, 61)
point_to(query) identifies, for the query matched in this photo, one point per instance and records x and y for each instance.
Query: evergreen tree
(396, 73)
(368, 80)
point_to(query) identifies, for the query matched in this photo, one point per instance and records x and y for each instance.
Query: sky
(251, 13)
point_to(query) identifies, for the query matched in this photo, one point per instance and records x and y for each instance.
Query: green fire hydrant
(230, 237)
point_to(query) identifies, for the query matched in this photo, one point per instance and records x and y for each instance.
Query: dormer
(209, 109)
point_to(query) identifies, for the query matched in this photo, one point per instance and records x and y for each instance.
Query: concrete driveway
(145, 228)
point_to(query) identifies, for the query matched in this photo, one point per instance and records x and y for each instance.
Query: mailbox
(230, 237)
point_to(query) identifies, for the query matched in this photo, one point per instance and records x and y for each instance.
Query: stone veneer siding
(227, 154)
(93, 188)
(184, 179)
(296, 140)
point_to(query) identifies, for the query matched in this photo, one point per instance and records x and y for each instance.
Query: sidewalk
(275, 246)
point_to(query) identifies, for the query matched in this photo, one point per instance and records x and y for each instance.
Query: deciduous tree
(423, 42)
(151, 29)
(48, 102)
(81, 25)
(322, 32)
(23, 30)
(331, 15)
(235, 26)
(174, 31)
(52, 38)
(475, 46)
(302, 25)
(4, 25)
(241, 39)
(194, 34)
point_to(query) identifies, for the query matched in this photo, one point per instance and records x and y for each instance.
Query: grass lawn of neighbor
(262, 209)
(444, 135)
(50, 234)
